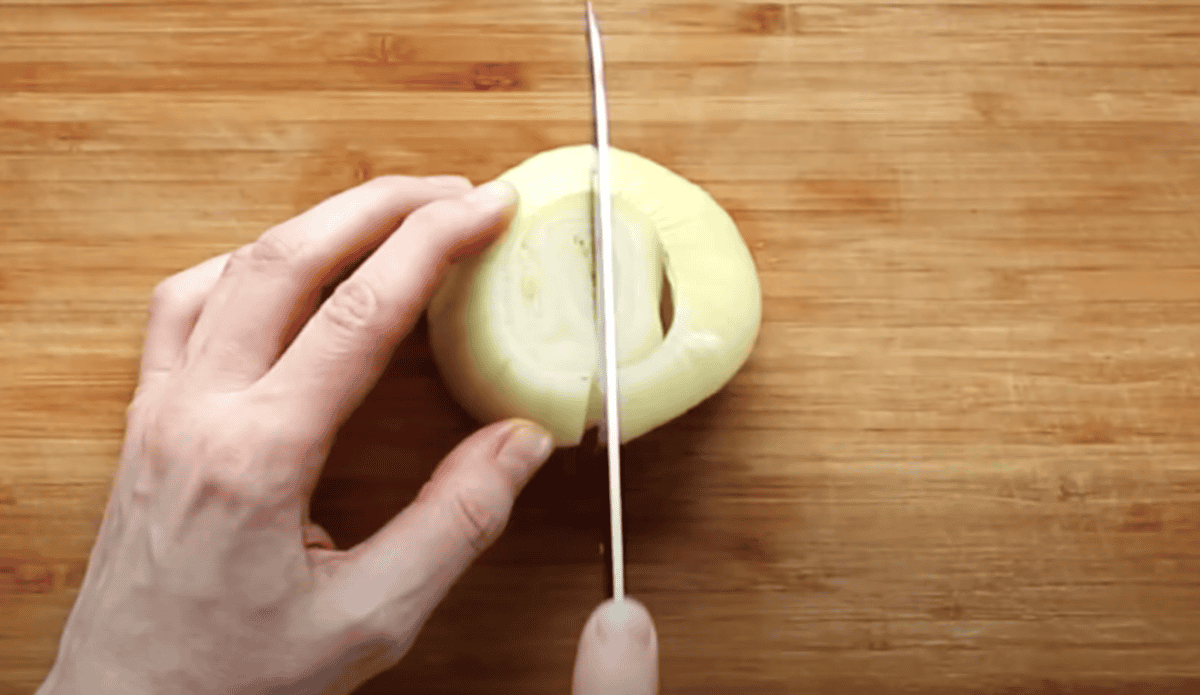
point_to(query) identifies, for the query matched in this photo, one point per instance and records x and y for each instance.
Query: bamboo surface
(964, 457)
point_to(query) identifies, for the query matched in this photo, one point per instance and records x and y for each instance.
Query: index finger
(340, 353)
(266, 288)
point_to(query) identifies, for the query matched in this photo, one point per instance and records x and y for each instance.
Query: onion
(513, 331)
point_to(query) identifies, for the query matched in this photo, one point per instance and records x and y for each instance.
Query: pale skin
(207, 575)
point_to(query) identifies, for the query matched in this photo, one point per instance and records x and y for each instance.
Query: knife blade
(605, 293)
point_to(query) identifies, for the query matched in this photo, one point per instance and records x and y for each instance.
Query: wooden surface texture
(963, 458)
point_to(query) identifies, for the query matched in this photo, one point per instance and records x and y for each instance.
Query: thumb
(618, 653)
(409, 564)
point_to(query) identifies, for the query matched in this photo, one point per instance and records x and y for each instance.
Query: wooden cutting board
(963, 458)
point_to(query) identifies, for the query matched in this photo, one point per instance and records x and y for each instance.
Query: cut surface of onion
(513, 329)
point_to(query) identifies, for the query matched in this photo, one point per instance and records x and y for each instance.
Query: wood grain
(963, 458)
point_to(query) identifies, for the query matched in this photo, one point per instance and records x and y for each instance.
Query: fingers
(618, 652)
(174, 308)
(339, 354)
(402, 571)
(262, 293)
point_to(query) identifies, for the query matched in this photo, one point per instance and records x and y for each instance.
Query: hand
(207, 575)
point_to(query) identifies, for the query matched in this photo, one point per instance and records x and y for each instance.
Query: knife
(606, 311)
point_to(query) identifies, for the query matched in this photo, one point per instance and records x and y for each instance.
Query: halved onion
(513, 330)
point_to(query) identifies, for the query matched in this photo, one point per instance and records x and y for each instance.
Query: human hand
(207, 575)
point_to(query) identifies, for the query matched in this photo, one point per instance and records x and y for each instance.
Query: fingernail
(495, 195)
(529, 445)
(458, 182)
(625, 620)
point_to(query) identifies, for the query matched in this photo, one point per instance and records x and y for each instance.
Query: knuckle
(228, 480)
(172, 424)
(435, 227)
(166, 296)
(447, 213)
(481, 515)
(238, 466)
(355, 307)
(236, 473)
(276, 252)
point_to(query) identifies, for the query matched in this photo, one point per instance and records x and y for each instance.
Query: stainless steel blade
(606, 312)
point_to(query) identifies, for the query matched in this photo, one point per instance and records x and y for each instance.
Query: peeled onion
(513, 330)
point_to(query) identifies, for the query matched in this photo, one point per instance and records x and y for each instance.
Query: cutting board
(964, 456)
